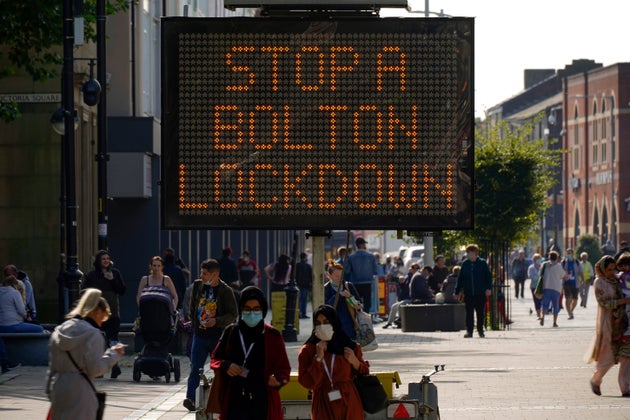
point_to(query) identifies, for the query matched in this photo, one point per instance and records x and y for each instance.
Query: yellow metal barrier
(294, 391)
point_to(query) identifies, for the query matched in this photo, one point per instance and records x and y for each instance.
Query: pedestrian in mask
(327, 363)
(252, 358)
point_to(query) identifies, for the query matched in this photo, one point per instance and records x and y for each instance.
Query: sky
(513, 35)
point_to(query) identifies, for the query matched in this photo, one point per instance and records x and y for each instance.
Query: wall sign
(296, 123)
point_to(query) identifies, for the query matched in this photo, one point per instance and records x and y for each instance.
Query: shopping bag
(365, 332)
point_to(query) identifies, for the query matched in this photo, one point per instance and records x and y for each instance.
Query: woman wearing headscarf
(253, 359)
(327, 365)
(76, 356)
(612, 321)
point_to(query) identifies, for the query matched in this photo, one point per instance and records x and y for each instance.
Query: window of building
(575, 148)
(596, 122)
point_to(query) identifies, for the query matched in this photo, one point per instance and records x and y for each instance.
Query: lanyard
(249, 350)
(329, 372)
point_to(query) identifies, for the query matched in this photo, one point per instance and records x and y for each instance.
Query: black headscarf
(252, 293)
(339, 339)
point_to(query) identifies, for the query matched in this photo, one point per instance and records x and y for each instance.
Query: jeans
(552, 297)
(303, 298)
(23, 327)
(202, 347)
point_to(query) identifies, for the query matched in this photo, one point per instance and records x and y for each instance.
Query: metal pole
(102, 157)
(612, 172)
(72, 275)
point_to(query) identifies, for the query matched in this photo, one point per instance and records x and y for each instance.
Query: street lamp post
(72, 275)
(102, 157)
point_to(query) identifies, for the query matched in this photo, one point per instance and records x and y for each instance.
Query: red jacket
(276, 363)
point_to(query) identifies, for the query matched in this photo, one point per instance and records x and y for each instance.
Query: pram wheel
(168, 377)
(176, 370)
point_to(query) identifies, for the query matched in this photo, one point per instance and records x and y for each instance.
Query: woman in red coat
(252, 358)
(327, 364)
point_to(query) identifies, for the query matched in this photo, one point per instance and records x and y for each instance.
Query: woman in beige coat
(609, 346)
(79, 339)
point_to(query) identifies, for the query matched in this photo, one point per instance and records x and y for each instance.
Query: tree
(590, 245)
(31, 37)
(513, 173)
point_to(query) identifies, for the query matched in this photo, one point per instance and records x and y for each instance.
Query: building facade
(597, 141)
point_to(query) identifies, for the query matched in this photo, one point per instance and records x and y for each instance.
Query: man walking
(519, 274)
(304, 280)
(574, 273)
(212, 308)
(360, 271)
(475, 282)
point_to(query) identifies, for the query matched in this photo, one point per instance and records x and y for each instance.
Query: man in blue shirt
(570, 287)
(360, 270)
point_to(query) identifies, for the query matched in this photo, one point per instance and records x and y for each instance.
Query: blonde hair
(334, 265)
(91, 299)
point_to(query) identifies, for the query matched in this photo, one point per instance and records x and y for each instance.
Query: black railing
(498, 309)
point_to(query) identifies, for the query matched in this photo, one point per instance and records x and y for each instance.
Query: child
(623, 265)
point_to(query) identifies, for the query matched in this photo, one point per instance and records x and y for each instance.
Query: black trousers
(111, 327)
(475, 304)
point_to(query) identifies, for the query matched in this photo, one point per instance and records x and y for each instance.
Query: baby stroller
(158, 323)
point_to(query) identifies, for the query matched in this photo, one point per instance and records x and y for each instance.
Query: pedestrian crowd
(225, 308)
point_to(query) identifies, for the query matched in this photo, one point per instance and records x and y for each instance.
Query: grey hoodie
(12, 310)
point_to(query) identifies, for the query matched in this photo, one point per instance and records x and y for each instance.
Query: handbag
(218, 383)
(373, 395)
(540, 287)
(100, 395)
(365, 331)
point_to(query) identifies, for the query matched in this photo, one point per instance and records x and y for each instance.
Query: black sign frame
(197, 56)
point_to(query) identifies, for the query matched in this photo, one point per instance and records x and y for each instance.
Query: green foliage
(589, 244)
(30, 37)
(513, 173)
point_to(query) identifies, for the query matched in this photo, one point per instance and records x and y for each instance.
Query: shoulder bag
(219, 383)
(100, 395)
(540, 287)
(372, 393)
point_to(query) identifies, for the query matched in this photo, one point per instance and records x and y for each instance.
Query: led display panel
(282, 123)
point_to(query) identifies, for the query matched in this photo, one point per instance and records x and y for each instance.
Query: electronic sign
(272, 123)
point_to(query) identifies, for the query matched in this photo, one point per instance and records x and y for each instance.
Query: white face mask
(324, 332)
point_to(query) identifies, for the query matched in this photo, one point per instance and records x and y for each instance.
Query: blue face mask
(251, 319)
(570, 257)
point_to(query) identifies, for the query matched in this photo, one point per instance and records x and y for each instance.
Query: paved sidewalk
(528, 372)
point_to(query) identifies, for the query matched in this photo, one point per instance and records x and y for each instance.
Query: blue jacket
(360, 268)
(474, 278)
